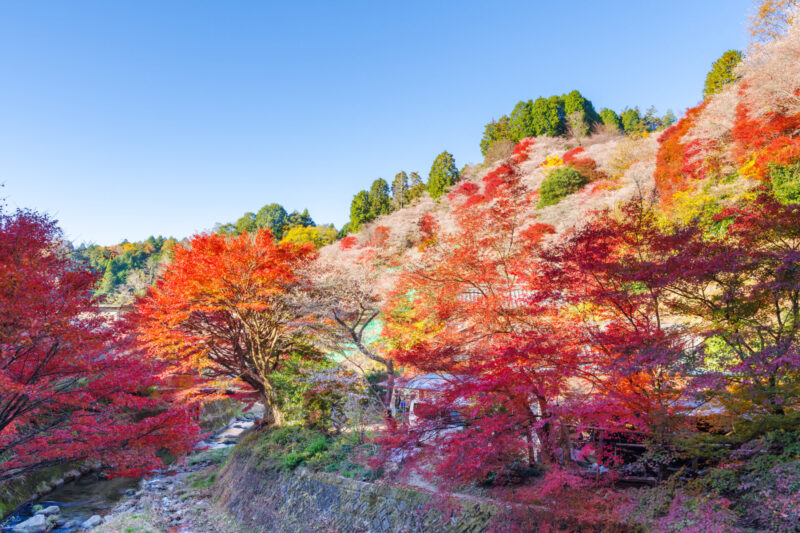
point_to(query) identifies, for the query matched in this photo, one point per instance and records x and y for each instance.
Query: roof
(430, 381)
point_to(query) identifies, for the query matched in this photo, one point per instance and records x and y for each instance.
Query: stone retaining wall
(264, 500)
(304, 501)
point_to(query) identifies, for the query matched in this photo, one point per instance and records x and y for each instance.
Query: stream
(91, 495)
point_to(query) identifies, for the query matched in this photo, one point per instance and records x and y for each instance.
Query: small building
(413, 392)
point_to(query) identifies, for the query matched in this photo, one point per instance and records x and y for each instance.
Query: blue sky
(125, 119)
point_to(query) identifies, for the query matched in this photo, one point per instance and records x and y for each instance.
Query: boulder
(35, 524)
(47, 511)
(93, 521)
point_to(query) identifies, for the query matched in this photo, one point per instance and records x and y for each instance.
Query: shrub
(292, 460)
(560, 183)
(786, 182)
(318, 445)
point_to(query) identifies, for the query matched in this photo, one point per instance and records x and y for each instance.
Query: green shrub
(318, 445)
(293, 460)
(560, 183)
(786, 182)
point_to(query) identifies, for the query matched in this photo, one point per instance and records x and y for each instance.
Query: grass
(210, 456)
(201, 481)
(289, 447)
(129, 523)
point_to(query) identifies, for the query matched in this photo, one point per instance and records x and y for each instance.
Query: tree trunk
(389, 399)
(273, 416)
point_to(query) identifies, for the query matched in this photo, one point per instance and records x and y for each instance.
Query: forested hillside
(595, 328)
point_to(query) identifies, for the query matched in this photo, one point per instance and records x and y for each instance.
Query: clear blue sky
(129, 118)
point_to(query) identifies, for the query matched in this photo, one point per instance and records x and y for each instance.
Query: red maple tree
(70, 389)
(222, 317)
(470, 311)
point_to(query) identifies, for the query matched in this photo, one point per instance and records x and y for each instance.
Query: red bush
(379, 237)
(521, 150)
(348, 242)
(585, 165)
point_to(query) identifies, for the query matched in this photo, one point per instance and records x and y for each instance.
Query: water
(92, 495)
(78, 500)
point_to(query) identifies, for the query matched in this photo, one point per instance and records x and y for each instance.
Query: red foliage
(466, 188)
(768, 138)
(522, 149)
(220, 317)
(379, 237)
(585, 165)
(69, 388)
(674, 171)
(428, 227)
(484, 326)
(611, 264)
(348, 242)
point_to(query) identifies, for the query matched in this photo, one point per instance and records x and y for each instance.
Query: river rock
(35, 524)
(93, 521)
(47, 511)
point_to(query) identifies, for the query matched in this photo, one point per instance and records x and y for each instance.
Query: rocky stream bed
(173, 500)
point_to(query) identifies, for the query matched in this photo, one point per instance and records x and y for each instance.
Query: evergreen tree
(651, 121)
(548, 117)
(379, 201)
(359, 210)
(722, 72)
(610, 119)
(444, 173)
(520, 123)
(495, 131)
(296, 219)
(631, 120)
(669, 119)
(272, 217)
(246, 224)
(416, 187)
(583, 114)
(400, 190)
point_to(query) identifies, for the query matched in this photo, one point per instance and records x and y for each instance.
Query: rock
(47, 511)
(35, 524)
(93, 521)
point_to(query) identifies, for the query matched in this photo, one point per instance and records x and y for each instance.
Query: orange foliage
(672, 174)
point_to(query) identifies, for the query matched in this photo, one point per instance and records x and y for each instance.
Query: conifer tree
(379, 201)
(722, 72)
(494, 131)
(359, 210)
(444, 173)
(417, 186)
(400, 190)
(520, 123)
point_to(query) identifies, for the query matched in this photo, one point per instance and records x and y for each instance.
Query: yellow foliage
(628, 151)
(748, 168)
(771, 19)
(317, 235)
(553, 161)
(694, 205)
